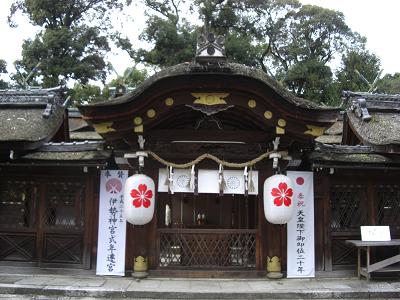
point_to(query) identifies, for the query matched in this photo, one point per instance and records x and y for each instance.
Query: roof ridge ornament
(210, 49)
(359, 107)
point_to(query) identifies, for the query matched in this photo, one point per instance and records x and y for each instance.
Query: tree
(66, 47)
(293, 43)
(131, 78)
(3, 70)
(88, 93)
(389, 84)
(358, 71)
(173, 38)
(85, 93)
(310, 79)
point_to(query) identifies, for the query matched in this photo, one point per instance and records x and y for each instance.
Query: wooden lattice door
(43, 221)
(64, 222)
(18, 223)
(348, 203)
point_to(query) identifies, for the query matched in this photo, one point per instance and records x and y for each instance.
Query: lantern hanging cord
(212, 157)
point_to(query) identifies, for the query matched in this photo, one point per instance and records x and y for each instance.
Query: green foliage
(66, 47)
(291, 42)
(83, 94)
(3, 70)
(173, 43)
(358, 71)
(309, 79)
(239, 48)
(131, 79)
(294, 43)
(389, 84)
(89, 93)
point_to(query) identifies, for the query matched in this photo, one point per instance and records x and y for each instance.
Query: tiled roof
(30, 116)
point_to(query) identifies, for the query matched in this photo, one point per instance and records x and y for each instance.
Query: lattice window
(65, 202)
(207, 250)
(348, 207)
(17, 198)
(388, 205)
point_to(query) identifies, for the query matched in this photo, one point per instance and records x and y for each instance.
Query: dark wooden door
(63, 222)
(356, 200)
(43, 221)
(18, 220)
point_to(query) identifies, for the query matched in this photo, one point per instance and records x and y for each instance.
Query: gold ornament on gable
(103, 127)
(314, 130)
(169, 101)
(210, 98)
(268, 115)
(252, 103)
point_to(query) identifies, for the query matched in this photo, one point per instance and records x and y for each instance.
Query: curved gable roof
(190, 68)
(251, 97)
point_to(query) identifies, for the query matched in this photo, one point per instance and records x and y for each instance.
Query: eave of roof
(341, 156)
(95, 155)
(28, 124)
(192, 68)
(30, 117)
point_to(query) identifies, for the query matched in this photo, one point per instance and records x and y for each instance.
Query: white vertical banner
(112, 224)
(300, 229)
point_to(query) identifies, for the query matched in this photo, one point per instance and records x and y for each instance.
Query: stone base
(274, 275)
(140, 275)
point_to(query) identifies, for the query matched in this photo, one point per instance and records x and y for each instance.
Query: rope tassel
(246, 181)
(166, 182)
(221, 179)
(170, 180)
(251, 187)
(191, 181)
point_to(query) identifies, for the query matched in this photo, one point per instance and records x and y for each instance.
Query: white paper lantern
(278, 202)
(139, 199)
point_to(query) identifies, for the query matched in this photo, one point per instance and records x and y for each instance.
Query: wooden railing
(207, 248)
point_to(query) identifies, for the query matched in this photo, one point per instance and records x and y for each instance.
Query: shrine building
(208, 133)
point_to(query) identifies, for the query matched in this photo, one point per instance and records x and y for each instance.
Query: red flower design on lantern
(141, 196)
(282, 194)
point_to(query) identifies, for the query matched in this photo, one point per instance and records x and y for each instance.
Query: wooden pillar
(326, 182)
(152, 236)
(41, 213)
(95, 217)
(89, 219)
(319, 221)
(372, 205)
(261, 240)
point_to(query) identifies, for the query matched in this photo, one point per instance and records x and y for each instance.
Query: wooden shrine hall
(209, 133)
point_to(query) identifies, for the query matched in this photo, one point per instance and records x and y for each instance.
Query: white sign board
(300, 229)
(375, 233)
(207, 181)
(112, 224)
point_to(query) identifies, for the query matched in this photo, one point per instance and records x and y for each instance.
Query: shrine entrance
(207, 231)
(202, 117)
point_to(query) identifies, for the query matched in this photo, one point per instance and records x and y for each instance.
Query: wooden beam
(244, 136)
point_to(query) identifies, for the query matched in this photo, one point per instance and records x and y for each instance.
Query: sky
(378, 20)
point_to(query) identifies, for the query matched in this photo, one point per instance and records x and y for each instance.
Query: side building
(48, 182)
